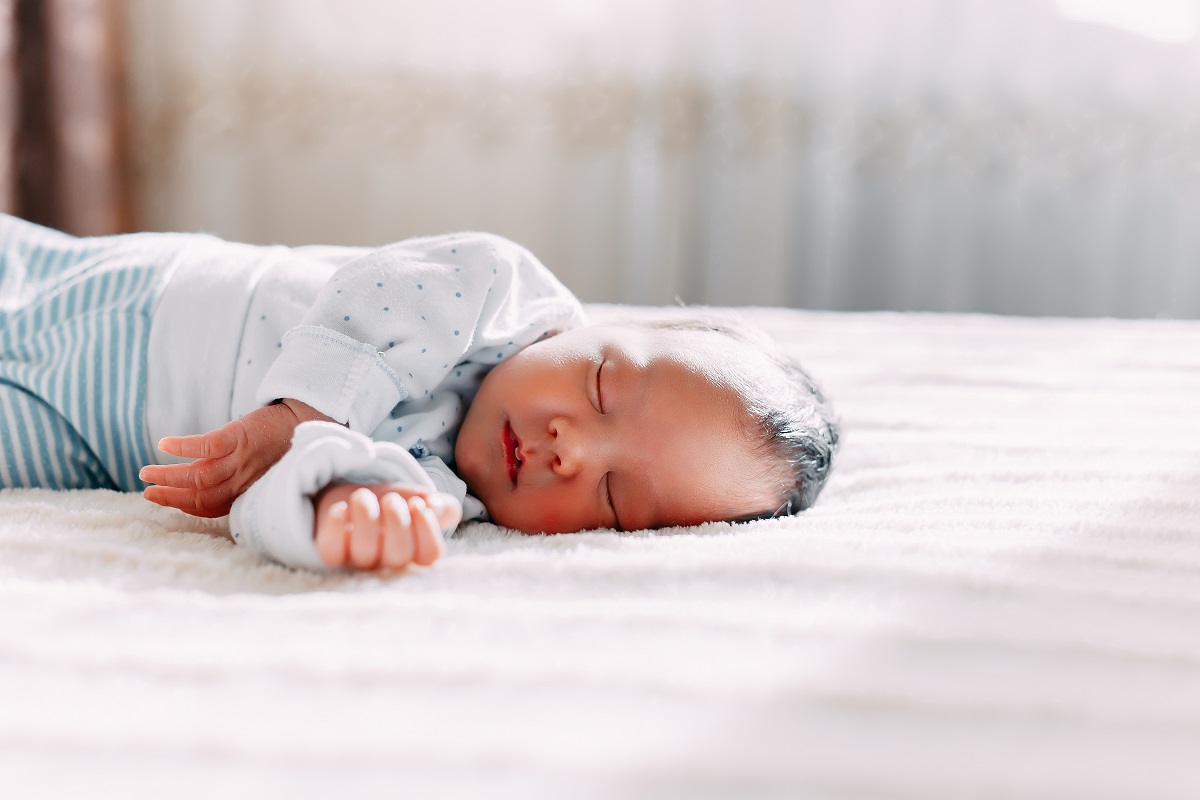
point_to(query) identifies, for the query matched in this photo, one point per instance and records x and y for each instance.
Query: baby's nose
(567, 454)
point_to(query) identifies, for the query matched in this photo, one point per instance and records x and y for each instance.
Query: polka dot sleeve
(392, 324)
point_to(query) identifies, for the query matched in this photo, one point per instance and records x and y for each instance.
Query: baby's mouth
(511, 446)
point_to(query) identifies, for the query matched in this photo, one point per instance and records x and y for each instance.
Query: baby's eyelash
(608, 495)
(599, 394)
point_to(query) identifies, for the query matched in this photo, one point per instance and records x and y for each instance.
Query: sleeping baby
(348, 406)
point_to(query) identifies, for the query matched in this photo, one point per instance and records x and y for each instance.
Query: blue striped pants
(74, 333)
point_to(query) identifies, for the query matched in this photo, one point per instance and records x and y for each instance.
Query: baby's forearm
(378, 525)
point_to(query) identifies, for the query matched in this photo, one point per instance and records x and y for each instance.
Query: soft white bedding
(997, 596)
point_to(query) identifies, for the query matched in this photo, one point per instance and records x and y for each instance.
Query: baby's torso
(219, 327)
(197, 334)
(425, 425)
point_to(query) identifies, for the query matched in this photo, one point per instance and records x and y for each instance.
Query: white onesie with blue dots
(393, 342)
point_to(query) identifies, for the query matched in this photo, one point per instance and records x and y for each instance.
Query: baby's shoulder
(464, 248)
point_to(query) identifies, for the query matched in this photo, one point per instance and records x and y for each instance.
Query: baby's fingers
(398, 544)
(213, 444)
(447, 510)
(365, 536)
(332, 537)
(205, 474)
(212, 503)
(428, 534)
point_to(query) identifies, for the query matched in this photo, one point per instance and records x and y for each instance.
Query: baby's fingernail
(366, 501)
(338, 508)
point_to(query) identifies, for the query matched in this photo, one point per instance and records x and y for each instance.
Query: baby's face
(610, 427)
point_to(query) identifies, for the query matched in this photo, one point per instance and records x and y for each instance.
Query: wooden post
(71, 163)
(86, 65)
(8, 107)
(35, 151)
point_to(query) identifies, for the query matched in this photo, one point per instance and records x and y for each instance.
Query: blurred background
(1037, 157)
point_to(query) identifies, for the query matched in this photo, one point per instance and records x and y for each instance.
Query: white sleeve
(275, 515)
(390, 325)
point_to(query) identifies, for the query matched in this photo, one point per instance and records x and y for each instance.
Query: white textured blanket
(997, 596)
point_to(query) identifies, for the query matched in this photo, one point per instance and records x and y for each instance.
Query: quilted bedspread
(997, 596)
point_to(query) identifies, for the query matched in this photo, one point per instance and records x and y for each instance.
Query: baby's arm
(386, 526)
(229, 459)
(302, 512)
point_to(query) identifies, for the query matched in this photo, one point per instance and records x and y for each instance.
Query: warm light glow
(1164, 20)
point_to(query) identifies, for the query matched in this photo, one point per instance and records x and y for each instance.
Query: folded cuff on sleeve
(341, 377)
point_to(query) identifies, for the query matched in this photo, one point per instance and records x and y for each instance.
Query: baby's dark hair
(790, 416)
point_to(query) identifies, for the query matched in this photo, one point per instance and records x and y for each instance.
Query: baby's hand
(229, 459)
(384, 526)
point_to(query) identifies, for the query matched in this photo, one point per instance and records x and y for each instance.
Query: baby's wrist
(303, 412)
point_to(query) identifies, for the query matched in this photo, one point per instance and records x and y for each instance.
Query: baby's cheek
(550, 510)
(469, 459)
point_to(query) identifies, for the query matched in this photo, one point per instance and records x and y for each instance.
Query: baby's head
(646, 425)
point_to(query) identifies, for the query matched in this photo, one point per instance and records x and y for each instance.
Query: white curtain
(987, 155)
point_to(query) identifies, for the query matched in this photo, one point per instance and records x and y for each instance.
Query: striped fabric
(74, 329)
